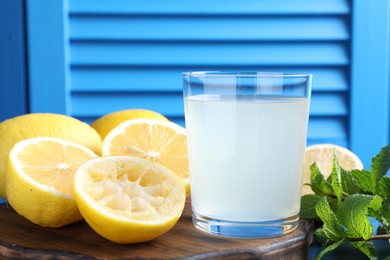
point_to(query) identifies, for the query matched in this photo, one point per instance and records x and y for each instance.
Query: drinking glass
(246, 141)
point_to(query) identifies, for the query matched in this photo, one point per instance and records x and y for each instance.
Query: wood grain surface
(21, 239)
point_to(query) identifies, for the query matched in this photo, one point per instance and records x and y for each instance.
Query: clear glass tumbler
(246, 140)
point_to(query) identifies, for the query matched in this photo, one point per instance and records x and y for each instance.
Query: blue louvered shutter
(130, 54)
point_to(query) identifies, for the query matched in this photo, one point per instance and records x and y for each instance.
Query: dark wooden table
(21, 239)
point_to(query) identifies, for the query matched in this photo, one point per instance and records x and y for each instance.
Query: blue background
(86, 58)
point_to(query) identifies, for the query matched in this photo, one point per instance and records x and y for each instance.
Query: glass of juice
(246, 141)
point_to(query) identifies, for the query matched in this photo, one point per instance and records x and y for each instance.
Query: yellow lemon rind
(32, 125)
(36, 202)
(119, 229)
(104, 124)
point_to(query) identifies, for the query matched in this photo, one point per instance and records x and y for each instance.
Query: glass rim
(249, 74)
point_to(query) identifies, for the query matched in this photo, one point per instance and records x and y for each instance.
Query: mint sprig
(380, 165)
(346, 200)
(336, 178)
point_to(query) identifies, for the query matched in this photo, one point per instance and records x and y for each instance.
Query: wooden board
(20, 238)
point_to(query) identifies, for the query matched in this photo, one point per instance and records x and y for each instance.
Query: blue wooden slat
(328, 104)
(13, 84)
(370, 78)
(103, 79)
(243, 7)
(327, 130)
(213, 28)
(169, 103)
(126, 54)
(342, 143)
(48, 64)
(323, 128)
(329, 79)
(201, 54)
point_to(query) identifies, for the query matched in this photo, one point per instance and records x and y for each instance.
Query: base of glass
(236, 229)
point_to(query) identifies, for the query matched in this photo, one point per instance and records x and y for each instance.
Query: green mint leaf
(333, 203)
(375, 209)
(383, 187)
(376, 203)
(375, 214)
(332, 228)
(336, 177)
(380, 164)
(352, 213)
(321, 237)
(308, 203)
(349, 183)
(363, 178)
(386, 210)
(329, 249)
(367, 248)
(318, 183)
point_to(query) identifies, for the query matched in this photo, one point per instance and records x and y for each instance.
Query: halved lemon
(43, 124)
(127, 199)
(39, 180)
(322, 155)
(161, 142)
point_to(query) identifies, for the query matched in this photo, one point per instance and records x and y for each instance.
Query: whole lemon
(106, 123)
(43, 124)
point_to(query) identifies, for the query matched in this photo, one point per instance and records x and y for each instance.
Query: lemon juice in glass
(246, 141)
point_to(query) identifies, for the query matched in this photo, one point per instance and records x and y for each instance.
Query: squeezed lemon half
(127, 199)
